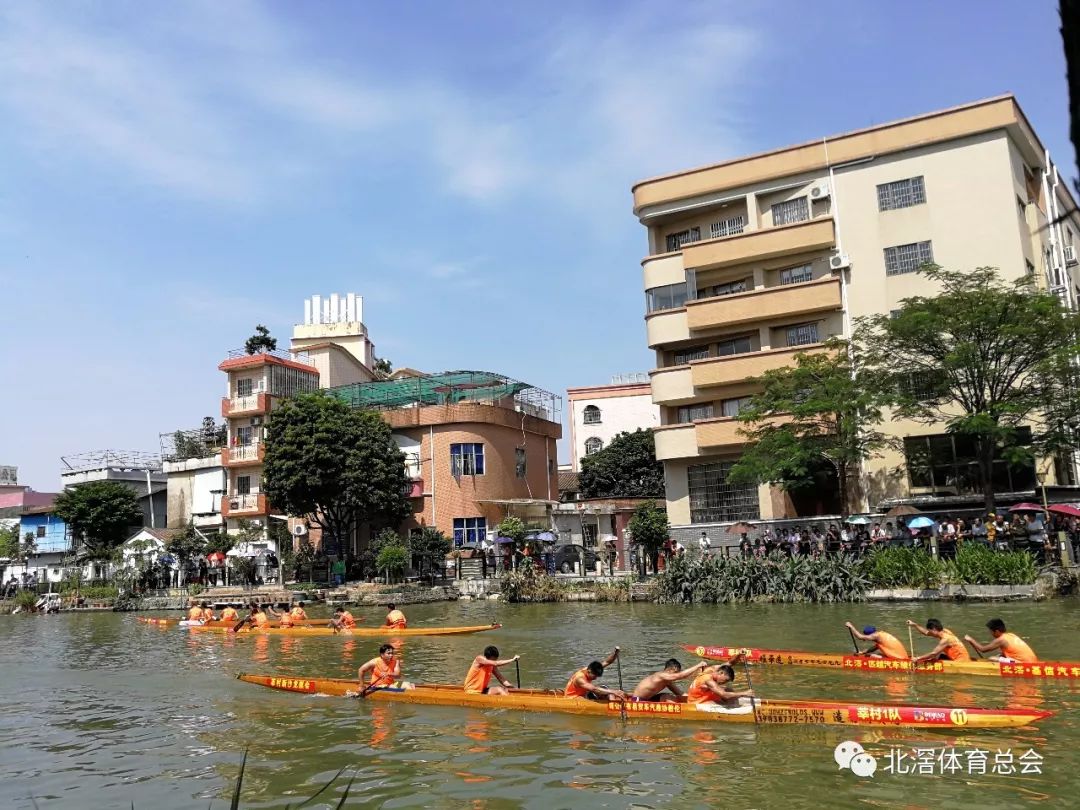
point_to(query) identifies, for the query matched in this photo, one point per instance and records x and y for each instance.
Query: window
(727, 227)
(948, 463)
(686, 355)
(591, 415)
(677, 240)
(713, 499)
(802, 334)
(901, 194)
(732, 407)
(895, 313)
(243, 485)
(907, 258)
(589, 532)
(551, 466)
(243, 436)
(796, 275)
(244, 387)
(671, 296)
(593, 445)
(739, 345)
(789, 212)
(466, 459)
(41, 529)
(922, 387)
(691, 413)
(730, 288)
(519, 462)
(470, 530)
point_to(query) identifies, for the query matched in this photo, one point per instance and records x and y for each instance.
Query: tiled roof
(568, 482)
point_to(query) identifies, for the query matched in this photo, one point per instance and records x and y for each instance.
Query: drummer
(1011, 647)
(886, 645)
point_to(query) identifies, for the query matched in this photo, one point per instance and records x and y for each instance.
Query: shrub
(26, 599)
(975, 564)
(903, 568)
(527, 584)
(195, 589)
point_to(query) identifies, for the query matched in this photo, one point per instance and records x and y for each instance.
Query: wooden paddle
(976, 649)
(622, 701)
(517, 672)
(853, 643)
(750, 686)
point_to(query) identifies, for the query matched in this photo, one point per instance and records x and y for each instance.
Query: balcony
(666, 326)
(723, 434)
(672, 385)
(414, 488)
(736, 369)
(244, 505)
(675, 441)
(243, 455)
(239, 406)
(802, 237)
(764, 304)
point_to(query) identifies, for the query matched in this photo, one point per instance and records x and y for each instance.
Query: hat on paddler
(869, 630)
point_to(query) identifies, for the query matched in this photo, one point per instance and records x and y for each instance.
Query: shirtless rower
(662, 686)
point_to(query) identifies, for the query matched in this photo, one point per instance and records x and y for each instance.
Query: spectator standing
(705, 544)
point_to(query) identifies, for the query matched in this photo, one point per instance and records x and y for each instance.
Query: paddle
(517, 671)
(976, 649)
(853, 642)
(750, 686)
(622, 701)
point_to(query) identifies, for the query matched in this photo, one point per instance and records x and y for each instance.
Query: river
(100, 711)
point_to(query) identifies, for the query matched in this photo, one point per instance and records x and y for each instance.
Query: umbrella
(1026, 507)
(546, 537)
(920, 523)
(859, 520)
(742, 527)
(901, 511)
(503, 541)
(217, 556)
(1065, 509)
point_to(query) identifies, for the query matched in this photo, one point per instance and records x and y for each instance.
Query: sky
(172, 174)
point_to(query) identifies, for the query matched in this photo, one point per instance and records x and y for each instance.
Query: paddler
(194, 613)
(385, 671)
(395, 618)
(1012, 648)
(292, 617)
(711, 686)
(229, 614)
(582, 684)
(207, 612)
(949, 647)
(342, 619)
(662, 686)
(886, 645)
(483, 667)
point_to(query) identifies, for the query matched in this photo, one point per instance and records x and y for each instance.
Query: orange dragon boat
(365, 632)
(763, 712)
(174, 622)
(1043, 670)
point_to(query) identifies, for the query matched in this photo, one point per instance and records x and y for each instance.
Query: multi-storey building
(599, 413)
(758, 258)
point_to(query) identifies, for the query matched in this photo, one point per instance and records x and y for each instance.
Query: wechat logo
(851, 755)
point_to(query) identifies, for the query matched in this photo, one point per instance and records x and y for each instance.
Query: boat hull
(362, 632)
(764, 712)
(219, 623)
(1043, 670)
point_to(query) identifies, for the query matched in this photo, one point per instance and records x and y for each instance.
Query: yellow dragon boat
(1042, 670)
(174, 622)
(763, 712)
(363, 632)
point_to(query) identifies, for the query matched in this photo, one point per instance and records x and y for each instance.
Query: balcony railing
(246, 452)
(249, 504)
(252, 403)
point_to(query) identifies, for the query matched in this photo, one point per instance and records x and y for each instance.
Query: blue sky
(175, 173)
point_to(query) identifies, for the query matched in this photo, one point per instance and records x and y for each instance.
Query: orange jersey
(286, 619)
(699, 692)
(1017, 649)
(347, 619)
(194, 614)
(955, 651)
(478, 677)
(260, 619)
(573, 689)
(396, 619)
(298, 613)
(230, 615)
(382, 674)
(889, 646)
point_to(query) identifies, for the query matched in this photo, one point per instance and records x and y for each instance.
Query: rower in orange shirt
(395, 618)
(582, 684)
(483, 667)
(342, 619)
(1013, 649)
(886, 645)
(259, 618)
(207, 612)
(194, 613)
(385, 671)
(229, 614)
(949, 647)
(711, 686)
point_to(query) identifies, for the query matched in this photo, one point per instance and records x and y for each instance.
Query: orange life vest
(298, 613)
(572, 688)
(889, 646)
(1017, 649)
(286, 619)
(347, 619)
(396, 619)
(382, 674)
(194, 614)
(230, 615)
(699, 692)
(260, 619)
(955, 651)
(478, 677)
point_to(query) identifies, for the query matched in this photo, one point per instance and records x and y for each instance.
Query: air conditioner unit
(840, 261)
(820, 191)
(299, 530)
(256, 420)
(1070, 255)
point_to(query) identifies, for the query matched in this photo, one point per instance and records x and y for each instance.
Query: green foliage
(998, 356)
(430, 547)
(392, 560)
(383, 368)
(626, 468)
(195, 589)
(28, 547)
(776, 578)
(187, 545)
(512, 527)
(975, 564)
(824, 408)
(26, 599)
(335, 464)
(528, 584)
(903, 568)
(649, 528)
(222, 542)
(260, 341)
(243, 570)
(99, 592)
(100, 515)
(9, 542)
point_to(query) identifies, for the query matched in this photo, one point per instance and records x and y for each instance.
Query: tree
(649, 529)
(823, 410)
(626, 468)
(336, 465)
(260, 341)
(392, 560)
(986, 357)
(186, 546)
(383, 368)
(429, 546)
(100, 515)
(9, 542)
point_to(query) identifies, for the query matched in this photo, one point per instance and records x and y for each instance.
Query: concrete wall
(617, 414)
(190, 492)
(56, 538)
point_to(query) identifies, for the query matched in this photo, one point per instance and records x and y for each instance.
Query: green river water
(100, 711)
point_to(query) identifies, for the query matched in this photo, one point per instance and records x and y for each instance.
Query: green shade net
(447, 388)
